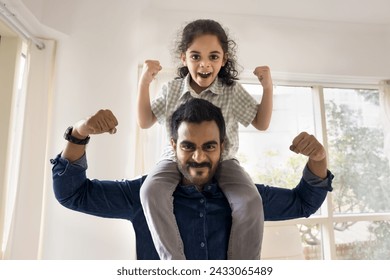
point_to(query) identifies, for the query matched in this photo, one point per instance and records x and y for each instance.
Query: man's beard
(197, 180)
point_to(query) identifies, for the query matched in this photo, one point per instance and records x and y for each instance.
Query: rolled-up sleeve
(159, 105)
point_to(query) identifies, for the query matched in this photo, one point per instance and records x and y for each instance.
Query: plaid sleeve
(244, 105)
(159, 105)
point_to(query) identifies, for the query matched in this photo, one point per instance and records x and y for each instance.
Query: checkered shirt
(236, 104)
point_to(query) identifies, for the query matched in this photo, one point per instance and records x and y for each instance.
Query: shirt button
(201, 200)
(202, 244)
(201, 215)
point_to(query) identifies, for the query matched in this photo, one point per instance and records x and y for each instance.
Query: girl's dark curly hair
(228, 73)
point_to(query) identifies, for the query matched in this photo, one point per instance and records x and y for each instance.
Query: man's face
(198, 151)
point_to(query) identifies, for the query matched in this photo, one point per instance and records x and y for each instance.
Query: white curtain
(385, 114)
(33, 171)
(151, 142)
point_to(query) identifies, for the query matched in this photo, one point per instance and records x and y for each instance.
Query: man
(202, 212)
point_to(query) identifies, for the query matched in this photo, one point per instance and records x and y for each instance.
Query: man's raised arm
(78, 135)
(309, 146)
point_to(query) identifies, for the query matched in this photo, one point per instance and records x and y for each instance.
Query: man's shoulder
(139, 180)
(135, 183)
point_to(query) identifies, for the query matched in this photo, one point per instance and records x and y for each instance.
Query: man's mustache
(199, 165)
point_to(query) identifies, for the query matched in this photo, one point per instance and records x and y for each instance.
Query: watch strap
(68, 136)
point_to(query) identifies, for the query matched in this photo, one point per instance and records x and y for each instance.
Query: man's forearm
(103, 121)
(318, 168)
(73, 152)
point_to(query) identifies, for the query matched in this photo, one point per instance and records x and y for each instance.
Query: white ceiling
(350, 11)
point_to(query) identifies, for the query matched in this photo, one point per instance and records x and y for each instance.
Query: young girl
(208, 72)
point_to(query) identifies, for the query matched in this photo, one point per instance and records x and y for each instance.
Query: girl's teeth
(204, 75)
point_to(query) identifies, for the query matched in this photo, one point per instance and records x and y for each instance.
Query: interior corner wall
(8, 57)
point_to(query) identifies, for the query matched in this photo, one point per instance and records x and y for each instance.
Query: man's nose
(199, 155)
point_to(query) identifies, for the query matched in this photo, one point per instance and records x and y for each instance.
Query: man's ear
(173, 144)
(183, 59)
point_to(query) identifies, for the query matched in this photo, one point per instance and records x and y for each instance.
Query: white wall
(96, 69)
(102, 45)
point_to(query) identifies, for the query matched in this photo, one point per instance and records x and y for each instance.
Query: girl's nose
(205, 63)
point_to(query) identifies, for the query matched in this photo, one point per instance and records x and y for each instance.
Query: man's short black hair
(197, 110)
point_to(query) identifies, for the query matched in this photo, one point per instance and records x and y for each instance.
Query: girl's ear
(225, 59)
(183, 59)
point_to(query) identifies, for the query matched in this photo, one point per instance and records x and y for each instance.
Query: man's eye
(210, 147)
(187, 147)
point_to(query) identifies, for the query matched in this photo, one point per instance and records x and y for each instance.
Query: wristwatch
(68, 136)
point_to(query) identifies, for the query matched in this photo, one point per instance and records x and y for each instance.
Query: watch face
(69, 130)
(68, 133)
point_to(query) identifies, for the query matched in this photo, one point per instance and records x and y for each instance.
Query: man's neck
(186, 182)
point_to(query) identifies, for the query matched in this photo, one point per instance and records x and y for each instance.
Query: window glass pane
(299, 242)
(266, 155)
(17, 122)
(282, 242)
(355, 136)
(363, 240)
(311, 236)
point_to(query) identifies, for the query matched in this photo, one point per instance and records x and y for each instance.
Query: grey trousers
(247, 210)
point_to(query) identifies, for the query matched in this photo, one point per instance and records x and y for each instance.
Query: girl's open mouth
(204, 75)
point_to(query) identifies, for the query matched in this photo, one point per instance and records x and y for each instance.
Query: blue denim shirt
(203, 218)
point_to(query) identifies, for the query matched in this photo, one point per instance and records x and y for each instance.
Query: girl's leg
(157, 203)
(247, 211)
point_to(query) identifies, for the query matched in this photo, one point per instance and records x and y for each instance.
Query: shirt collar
(210, 189)
(216, 88)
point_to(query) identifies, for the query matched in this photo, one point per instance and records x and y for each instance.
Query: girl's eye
(195, 57)
(214, 57)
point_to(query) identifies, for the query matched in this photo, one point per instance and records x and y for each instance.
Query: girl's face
(204, 58)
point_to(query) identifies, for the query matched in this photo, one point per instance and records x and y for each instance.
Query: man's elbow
(311, 209)
(60, 197)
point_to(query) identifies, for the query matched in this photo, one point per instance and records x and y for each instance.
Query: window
(266, 155)
(355, 140)
(16, 129)
(354, 221)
